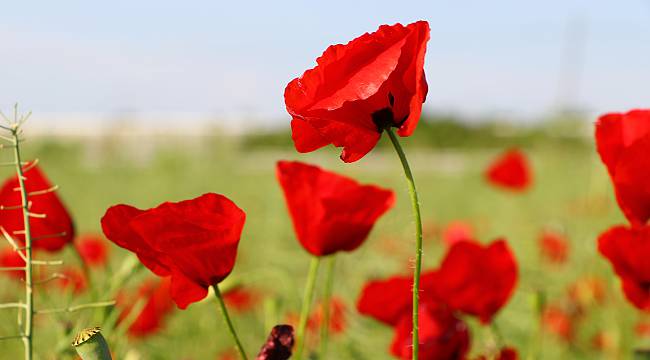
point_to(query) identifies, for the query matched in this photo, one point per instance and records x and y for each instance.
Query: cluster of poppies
(623, 142)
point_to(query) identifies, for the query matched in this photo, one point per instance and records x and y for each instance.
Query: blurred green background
(571, 193)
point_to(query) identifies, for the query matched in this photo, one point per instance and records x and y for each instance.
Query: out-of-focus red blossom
(278, 345)
(628, 250)
(11, 258)
(337, 317)
(506, 353)
(554, 247)
(359, 89)
(442, 335)
(603, 341)
(154, 294)
(73, 279)
(389, 300)
(228, 355)
(642, 329)
(557, 321)
(510, 171)
(623, 142)
(54, 230)
(330, 212)
(476, 279)
(587, 291)
(93, 249)
(241, 299)
(193, 241)
(457, 231)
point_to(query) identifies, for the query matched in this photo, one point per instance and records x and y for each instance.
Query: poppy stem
(226, 318)
(306, 304)
(418, 238)
(327, 300)
(27, 331)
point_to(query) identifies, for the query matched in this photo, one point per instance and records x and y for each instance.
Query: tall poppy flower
(628, 250)
(157, 305)
(510, 171)
(477, 279)
(93, 250)
(623, 142)
(330, 212)
(195, 241)
(359, 89)
(51, 226)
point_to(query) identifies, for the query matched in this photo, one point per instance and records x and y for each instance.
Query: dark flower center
(384, 118)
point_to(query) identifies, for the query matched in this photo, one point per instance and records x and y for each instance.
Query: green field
(571, 192)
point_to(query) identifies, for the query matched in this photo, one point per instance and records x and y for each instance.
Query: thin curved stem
(29, 291)
(226, 318)
(415, 205)
(327, 301)
(306, 304)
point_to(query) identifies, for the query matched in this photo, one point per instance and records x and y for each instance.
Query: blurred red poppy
(337, 317)
(330, 212)
(359, 89)
(195, 241)
(241, 299)
(11, 258)
(507, 353)
(557, 321)
(603, 341)
(73, 279)
(457, 231)
(157, 304)
(628, 250)
(510, 171)
(93, 249)
(51, 226)
(642, 329)
(623, 142)
(476, 279)
(442, 335)
(554, 247)
(391, 299)
(587, 291)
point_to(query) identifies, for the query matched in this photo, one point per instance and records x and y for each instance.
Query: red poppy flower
(506, 353)
(241, 299)
(195, 241)
(457, 231)
(628, 250)
(623, 142)
(510, 171)
(358, 89)
(442, 335)
(51, 226)
(11, 258)
(330, 212)
(557, 321)
(554, 247)
(391, 299)
(337, 317)
(157, 305)
(74, 280)
(93, 249)
(476, 279)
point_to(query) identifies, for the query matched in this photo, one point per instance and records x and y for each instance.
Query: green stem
(418, 238)
(327, 302)
(29, 293)
(226, 318)
(306, 304)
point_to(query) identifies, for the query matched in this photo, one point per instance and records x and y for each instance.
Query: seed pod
(91, 345)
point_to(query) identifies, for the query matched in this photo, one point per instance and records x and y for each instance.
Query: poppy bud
(278, 345)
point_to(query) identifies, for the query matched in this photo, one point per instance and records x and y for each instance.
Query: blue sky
(233, 59)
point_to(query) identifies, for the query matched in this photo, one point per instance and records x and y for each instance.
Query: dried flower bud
(278, 345)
